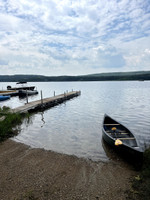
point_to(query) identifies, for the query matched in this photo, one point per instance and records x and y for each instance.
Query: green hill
(114, 76)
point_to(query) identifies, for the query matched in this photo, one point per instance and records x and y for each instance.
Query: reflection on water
(110, 153)
(42, 119)
(75, 127)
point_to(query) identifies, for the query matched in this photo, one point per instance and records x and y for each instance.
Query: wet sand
(27, 173)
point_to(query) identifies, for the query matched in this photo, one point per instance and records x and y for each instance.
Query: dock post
(41, 97)
(27, 96)
(54, 93)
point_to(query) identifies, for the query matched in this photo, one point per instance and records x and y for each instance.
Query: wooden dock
(46, 102)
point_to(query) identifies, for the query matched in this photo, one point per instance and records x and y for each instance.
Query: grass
(8, 124)
(141, 183)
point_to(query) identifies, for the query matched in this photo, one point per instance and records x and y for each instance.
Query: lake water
(75, 127)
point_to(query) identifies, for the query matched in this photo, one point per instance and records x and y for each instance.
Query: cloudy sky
(73, 37)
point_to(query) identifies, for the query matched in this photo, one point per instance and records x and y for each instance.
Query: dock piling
(41, 97)
(27, 96)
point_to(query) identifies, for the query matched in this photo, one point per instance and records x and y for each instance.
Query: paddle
(117, 141)
(114, 131)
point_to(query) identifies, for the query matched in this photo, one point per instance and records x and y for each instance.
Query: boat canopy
(21, 82)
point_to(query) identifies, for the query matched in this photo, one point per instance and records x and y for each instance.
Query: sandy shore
(27, 173)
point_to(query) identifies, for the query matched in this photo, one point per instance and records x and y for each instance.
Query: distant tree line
(116, 76)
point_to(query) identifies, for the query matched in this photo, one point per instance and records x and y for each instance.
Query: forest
(114, 76)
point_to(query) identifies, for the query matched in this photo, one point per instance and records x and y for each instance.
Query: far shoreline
(111, 76)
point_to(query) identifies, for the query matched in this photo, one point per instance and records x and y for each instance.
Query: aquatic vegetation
(8, 123)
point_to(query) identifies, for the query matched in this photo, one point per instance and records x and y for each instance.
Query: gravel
(30, 173)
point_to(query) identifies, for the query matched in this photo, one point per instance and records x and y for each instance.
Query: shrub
(7, 125)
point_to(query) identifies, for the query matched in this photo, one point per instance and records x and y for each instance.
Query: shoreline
(28, 173)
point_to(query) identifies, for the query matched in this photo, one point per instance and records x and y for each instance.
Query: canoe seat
(122, 133)
(110, 132)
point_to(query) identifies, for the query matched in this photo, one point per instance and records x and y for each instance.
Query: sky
(66, 37)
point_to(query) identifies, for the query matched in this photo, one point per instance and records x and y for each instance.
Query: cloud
(147, 51)
(3, 62)
(74, 37)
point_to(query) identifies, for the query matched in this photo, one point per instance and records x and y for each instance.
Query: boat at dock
(22, 87)
(121, 139)
(8, 92)
(23, 93)
(3, 98)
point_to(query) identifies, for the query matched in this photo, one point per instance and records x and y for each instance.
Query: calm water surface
(75, 127)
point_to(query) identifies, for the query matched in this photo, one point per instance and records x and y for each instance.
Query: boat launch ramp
(44, 103)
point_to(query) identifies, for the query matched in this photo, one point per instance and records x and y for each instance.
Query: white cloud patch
(74, 37)
(147, 51)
